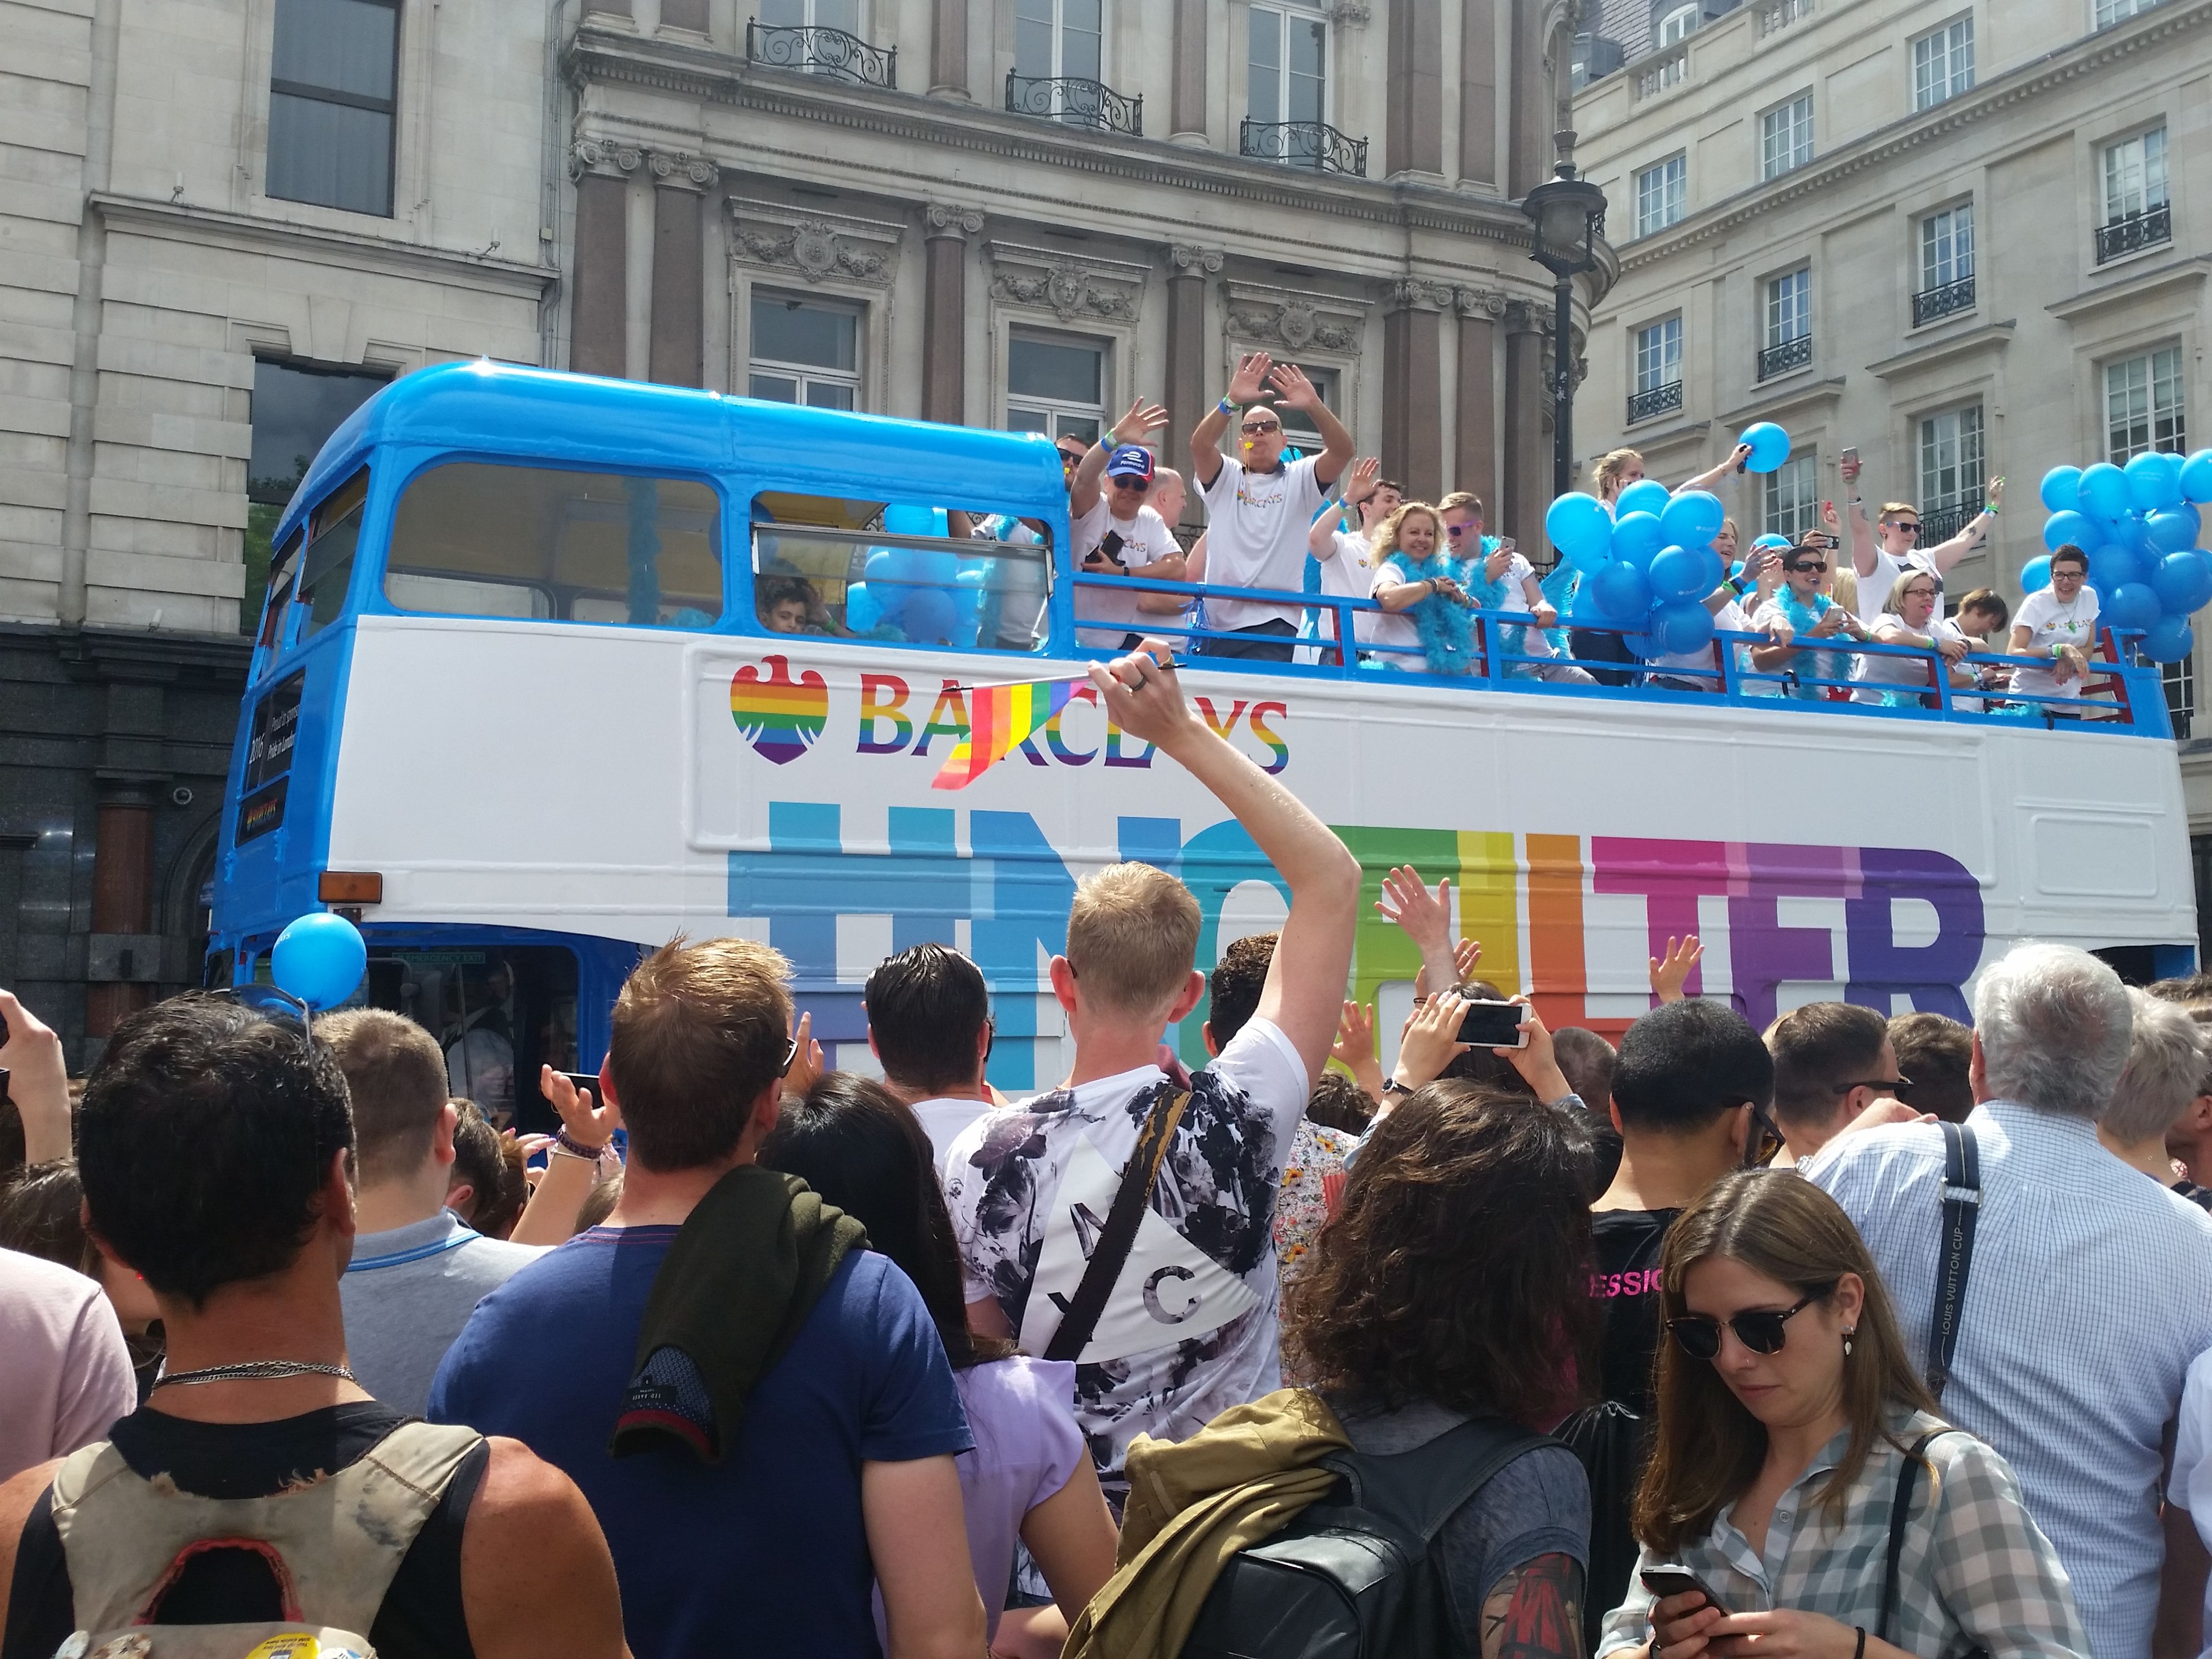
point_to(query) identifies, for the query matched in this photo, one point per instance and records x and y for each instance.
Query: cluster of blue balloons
(2139, 524)
(1650, 561)
(933, 597)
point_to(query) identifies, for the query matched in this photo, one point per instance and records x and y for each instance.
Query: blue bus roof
(546, 415)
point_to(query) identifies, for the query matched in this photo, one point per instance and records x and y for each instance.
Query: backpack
(1355, 1576)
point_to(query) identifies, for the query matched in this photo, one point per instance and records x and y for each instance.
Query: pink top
(64, 1371)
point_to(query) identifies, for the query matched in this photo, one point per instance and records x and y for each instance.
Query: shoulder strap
(1962, 1200)
(1120, 1229)
(1900, 1511)
(1424, 1488)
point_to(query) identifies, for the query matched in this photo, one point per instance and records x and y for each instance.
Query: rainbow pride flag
(998, 717)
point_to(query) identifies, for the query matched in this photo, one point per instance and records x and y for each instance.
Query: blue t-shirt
(763, 1553)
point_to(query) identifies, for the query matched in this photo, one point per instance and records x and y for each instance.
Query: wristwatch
(1392, 1086)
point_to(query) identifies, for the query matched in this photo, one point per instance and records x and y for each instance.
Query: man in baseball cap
(1118, 533)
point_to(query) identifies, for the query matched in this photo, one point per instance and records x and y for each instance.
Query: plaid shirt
(1976, 1570)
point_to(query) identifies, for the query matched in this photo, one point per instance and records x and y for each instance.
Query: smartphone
(3, 1083)
(1495, 1025)
(1667, 1581)
(1850, 457)
(1110, 548)
(1506, 544)
(581, 1081)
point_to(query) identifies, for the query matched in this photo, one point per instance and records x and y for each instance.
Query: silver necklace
(255, 1371)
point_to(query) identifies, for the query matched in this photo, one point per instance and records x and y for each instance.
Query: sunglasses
(1068, 463)
(1764, 1141)
(790, 1055)
(270, 1003)
(1251, 430)
(1460, 529)
(1888, 1085)
(1758, 1329)
(1910, 526)
(1131, 484)
(1813, 565)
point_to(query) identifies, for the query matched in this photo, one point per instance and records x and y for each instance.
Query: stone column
(1525, 487)
(948, 48)
(599, 302)
(945, 311)
(1186, 394)
(681, 185)
(1413, 374)
(1475, 457)
(1414, 132)
(1477, 91)
(1529, 162)
(1187, 110)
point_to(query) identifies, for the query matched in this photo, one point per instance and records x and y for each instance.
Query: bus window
(474, 539)
(958, 576)
(498, 1012)
(284, 566)
(326, 571)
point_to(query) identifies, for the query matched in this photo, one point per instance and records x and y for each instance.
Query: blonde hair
(1384, 541)
(1608, 469)
(1894, 605)
(1132, 938)
(1461, 500)
(1891, 509)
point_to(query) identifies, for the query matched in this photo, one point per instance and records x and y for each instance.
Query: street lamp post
(1568, 213)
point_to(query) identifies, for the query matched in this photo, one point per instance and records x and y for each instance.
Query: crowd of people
(1861, 1335)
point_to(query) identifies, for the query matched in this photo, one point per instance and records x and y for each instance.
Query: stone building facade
(221, 227)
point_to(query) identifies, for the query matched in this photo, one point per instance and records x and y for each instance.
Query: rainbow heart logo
(780, 716)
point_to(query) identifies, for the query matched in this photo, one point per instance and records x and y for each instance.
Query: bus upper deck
(513, 702)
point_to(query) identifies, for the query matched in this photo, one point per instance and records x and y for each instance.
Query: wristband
(1859, 1652)
(568, 1143)
(1227, 407)
(1991, 509)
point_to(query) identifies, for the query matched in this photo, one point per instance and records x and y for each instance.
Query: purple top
(1021, 1411)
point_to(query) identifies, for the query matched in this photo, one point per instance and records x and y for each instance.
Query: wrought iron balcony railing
(1781, 359)
(1939, 523)
(1654, 400)
(822, 51)
(1304, 144)
(2135, 233)
(1077, 101)
(1944, 300)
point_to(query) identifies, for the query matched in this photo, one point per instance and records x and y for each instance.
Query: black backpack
(1355, 1576)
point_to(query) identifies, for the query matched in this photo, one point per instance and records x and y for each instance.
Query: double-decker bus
(513, 708)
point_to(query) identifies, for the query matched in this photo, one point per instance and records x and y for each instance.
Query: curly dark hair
(1416, 1290)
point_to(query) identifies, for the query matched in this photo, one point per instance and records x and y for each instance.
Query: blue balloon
(2064, 528)
(1583, 606)
(2174, 529)
(1712, 570)
(2035, 574)
(903, 520)
(1580, 527)
(2135, 605)
(1623, 593)
(2104, 491)
(1644, 495)
(1770, 446)
(2196, 477)
(319, 959)
(2061, 490)
(2132, 532)
(862, 613)
(2169, 639)
(891, 566)
(2154, 481)
(1636, 537)
(929, 616)
(940, 569)
(1693, 518)
(1684, 625)
(2116, 567)
(2184, 583)
(1678, 574)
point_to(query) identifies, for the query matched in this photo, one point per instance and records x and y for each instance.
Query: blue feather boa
(1447, 629)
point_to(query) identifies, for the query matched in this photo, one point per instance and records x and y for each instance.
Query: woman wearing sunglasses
(1791, 1418)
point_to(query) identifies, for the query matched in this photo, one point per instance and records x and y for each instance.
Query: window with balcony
(2136, 214)
(1789, 342)
(1785, 137)
(1943, 63)
(2143, 406)
(821, 37)
(1676, 26)
(1950, 473)
(1057, 71)
(333, 93)
(2110, 12)
(1286, 114)
(1055, 385)
(1793, 497)
(1661, 194)
(1947, 265)
(805, 351)
(1656, 379)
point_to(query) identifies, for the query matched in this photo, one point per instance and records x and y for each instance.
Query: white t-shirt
(1349, 573)
(2191, 1486)
(942, 1120)
(2051, 623)
(1190, 1328)
(1256, 537)
(1145, 540)
(1702, 665)
(1394, 629)
(1020, 584)
(1910, 672)
(1873, 591)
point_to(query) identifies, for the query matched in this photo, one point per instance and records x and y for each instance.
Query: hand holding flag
(1139, 693)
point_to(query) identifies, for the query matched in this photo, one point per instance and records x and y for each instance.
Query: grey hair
(2166, 1070)
(2055, 1024)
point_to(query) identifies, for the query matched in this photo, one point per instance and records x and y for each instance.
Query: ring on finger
(1139, 684)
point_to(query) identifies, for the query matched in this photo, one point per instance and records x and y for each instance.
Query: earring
(1847, 1343)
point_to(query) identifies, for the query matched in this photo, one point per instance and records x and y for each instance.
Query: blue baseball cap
(1130, 461)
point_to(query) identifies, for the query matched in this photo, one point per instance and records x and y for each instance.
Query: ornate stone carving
(1296, 321)
(1070, 286)
(942, 219)
(1186, 260)
(1352, 13)
(818, 246)
(1479, 303)
(1413, 293)
(1520, 316)
(678, 171)
(605, 156)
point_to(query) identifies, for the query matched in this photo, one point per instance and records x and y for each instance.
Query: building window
(816, 14)
(1950, 473)
(1793, 491)
(1676, 25)
(1298, 428)
(1289, 64)
(1785, 137)
(295, 408)
(1943, 63)
(1659, 354)
(2180, 679)
(1661, 194)
(2134, 175)
(1947, 246)
(2110, 12)
(333, 87)
(805, 351)
(1057, 38)
(2143, 406)
(1789, 323)
(1055, 386)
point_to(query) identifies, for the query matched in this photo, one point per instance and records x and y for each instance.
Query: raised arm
(1707, 479)
(1426, 919)
(1303, 996)
(1944, 554)
(38, 1082)
(1136, 427)
(1244, 388)
(1321, 538)
(1298, 392)
(1863, 543)
(550, 1218)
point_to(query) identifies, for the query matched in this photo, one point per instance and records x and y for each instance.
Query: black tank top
(421, 1617)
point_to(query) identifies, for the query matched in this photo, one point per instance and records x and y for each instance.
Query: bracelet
(1859, 1652)
(1392, 1086)
(1225, 407)
(568, 1143)
(1990, 507)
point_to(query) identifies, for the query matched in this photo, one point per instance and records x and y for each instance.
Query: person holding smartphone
(1803, 1497)
(1116, 533)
